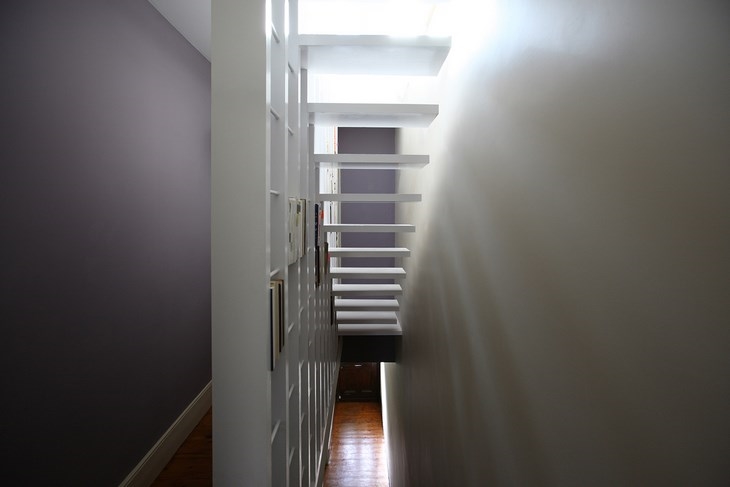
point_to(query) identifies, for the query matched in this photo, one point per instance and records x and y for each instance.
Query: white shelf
(369, 197)
(365, 317)
(275, 431)
(369, 329)
(275, 35)
(375, 54)
(367, 272)
(342, 304)
(371, 161)
(366, 289)
(370, 227)
(369, 252)
(372, 114)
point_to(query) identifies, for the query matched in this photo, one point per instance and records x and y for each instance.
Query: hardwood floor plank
(192, 465)
(357, 457)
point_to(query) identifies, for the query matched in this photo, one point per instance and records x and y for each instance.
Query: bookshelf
(273, 419)
(274, 386)
(303, 380)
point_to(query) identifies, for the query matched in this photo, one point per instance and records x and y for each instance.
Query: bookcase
(303, 378)
(274, 386)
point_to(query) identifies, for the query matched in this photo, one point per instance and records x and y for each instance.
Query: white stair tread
(366, 289)
(371, 161)
(369, 329)
(342, 304)
(359, 317)
(367, 272)
(369, 252)
(369, 227)
(369, 197)
(372, 114)
(375, 54)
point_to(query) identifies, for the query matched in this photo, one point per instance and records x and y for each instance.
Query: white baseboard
(324, 457)
(160, 454)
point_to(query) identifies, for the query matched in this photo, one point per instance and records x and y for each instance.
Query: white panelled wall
(271, 426)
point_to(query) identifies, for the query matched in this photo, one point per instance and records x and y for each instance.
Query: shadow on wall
(566, 319)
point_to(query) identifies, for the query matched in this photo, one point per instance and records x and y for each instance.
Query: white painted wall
(567, 315)
(240, 246)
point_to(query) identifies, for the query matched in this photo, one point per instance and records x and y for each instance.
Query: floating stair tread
(366, 289)
(370, 227)
(369, 197)
(342, 304)
(370, 317)
(369, 329)
(375, 54)
(372, 114)
(367, 272)
(369, 252)
(371, 161)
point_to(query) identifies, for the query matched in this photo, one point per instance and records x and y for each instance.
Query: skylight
(375, 17)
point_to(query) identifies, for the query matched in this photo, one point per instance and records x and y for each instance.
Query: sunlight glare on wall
(395, 18)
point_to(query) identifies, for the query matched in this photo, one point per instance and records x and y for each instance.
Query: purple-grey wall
(105, 246)
(367, 141)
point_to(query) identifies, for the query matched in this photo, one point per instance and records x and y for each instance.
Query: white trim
(324, 454)
(160, 454)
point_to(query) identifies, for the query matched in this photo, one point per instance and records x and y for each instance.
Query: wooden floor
(192, 465)
(357, 457)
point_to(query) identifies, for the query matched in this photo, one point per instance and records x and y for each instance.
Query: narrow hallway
(357, 456)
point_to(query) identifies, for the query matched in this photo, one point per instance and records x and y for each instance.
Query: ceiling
(191, 18)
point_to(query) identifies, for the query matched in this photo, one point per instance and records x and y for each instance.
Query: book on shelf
(333, 314)
(293, 247)
(317, 276)
(316, 224)
(317, 236)
(277, 322)
(302, 227)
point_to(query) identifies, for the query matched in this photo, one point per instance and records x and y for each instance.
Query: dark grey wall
(367, 141)
(105, 253)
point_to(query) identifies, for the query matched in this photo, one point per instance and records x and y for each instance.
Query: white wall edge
(161, 452)
(324, 455)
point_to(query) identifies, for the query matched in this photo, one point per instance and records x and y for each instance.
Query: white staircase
(369, 252)
(370, 227)
(344, 304)
(356, 290)
(372, 114)
(370, 309)
(370, 161)
(367, 272)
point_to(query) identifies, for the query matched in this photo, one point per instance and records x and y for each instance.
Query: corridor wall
(566, 318)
